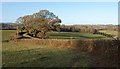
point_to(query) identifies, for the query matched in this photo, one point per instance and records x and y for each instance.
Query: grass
(74, 35)
(22, 54)
(7, 34)
(110, 32)
(27, 55)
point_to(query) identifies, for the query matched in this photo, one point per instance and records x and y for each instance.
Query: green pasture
(7, 34)
(21, 54)
(110, 32)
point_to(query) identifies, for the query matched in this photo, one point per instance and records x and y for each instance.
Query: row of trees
(87, 29)
(107, 27)
(66, 27)
(7, 26)
(77, 28)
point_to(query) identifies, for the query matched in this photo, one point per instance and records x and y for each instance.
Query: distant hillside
(12, 26)
(8, 26)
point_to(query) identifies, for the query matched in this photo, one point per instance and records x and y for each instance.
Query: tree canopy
(38, 24)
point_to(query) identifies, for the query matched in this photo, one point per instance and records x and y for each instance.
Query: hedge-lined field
(59, 52)
(75, 35)
(110, 32)
(8, 34)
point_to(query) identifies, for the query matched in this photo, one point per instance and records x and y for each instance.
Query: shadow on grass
(75, 35)
(87, 37)
(24, 38)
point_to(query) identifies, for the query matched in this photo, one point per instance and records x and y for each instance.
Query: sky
(69, 12)
(59, 0)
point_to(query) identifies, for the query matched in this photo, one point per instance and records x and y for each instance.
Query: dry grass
(104, 53)
(74, 52)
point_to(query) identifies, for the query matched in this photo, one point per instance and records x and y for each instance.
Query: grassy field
(110, 32)
(74, 35)
(21, 54)
(7, 34)
(27, 55)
